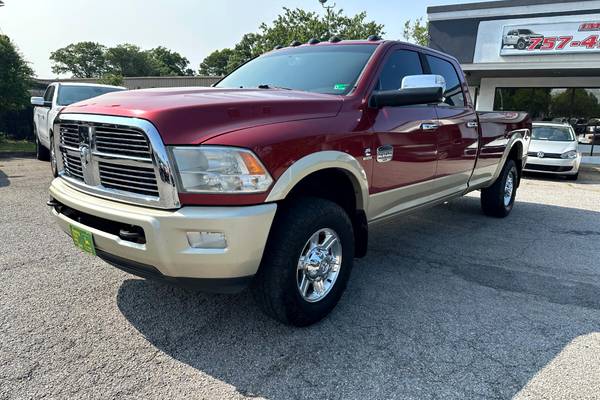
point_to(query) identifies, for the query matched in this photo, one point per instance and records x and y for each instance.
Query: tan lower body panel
(167, 248)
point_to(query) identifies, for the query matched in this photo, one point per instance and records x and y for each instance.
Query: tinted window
(454, 95)
(72, 94)
(49, 93)
(321, 69)
(401, 63)
(526, 32)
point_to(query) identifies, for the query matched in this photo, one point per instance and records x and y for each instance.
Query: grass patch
(16, 146)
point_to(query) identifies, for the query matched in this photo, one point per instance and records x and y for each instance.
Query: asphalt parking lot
(448, 304)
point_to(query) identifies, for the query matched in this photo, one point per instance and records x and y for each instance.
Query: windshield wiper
(267, 86)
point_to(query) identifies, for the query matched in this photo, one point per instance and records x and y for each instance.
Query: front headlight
(569, 154)
(213, 169)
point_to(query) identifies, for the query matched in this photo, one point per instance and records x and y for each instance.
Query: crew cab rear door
(404, 145)
(458, 131)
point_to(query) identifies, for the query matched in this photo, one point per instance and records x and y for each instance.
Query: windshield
(526, 32)
(72, 94)
(320, 69)
(553, 133)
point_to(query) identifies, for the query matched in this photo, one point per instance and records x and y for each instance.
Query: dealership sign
(557, 38)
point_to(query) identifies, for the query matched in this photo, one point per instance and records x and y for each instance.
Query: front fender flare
(320, 161)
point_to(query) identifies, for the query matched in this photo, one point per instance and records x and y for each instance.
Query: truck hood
(548, 146)
(194, 115)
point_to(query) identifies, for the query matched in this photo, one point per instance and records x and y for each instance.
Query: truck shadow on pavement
(4, 181)
(447, 302)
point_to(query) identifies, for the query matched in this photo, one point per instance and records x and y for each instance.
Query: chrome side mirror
(416, 89)
(39, 101)
(424, 81)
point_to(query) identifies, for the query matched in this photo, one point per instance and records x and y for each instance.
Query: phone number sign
(557, 38)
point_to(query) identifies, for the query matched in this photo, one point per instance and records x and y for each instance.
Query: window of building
(454, 94)
(577, 106)
(401, 63)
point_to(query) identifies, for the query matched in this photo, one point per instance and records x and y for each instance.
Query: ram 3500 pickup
(273, 177)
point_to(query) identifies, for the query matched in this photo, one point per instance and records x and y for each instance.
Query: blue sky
(193, 28)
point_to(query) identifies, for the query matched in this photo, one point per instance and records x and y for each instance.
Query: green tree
(129, 60)
(216, 63)
(15, 77)
(168, 62)
(82, 60)
(417, 32)
(294, 24)
(111, 79)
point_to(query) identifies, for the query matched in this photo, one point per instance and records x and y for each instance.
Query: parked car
(519, 38)
(592, 132)
(273, 177)
(57, 96)
(553, 150)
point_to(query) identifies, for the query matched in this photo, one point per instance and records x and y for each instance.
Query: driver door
(405, 142)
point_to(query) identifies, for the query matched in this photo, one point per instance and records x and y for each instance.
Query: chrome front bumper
(167, 249)
(558, 166)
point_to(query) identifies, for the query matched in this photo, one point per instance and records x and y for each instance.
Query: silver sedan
(553, 150)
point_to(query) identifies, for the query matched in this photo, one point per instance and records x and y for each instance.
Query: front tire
(307, 262)
(41, 153)
(521, 44)
(498, 199)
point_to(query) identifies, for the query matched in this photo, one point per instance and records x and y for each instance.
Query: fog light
(207, 240)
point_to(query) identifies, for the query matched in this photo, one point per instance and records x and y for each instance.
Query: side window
(399, 64)
(49, 93)
(454, 94)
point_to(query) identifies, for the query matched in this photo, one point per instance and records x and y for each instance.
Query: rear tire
(278, 285)
(498, 199)
(41, 153)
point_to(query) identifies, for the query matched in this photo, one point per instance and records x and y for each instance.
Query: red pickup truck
(272, 178)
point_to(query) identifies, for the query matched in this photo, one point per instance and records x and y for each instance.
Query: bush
(17, 125)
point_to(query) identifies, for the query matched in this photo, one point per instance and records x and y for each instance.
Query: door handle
(472, 124)
(429, 126)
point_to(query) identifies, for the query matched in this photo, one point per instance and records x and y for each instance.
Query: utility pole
(328, 11)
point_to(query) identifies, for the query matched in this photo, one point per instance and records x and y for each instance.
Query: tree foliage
(168, 62)
(417, 31)
(216, 63)
(93, 60)
(15, 77)
(292, 24)
(82, 60)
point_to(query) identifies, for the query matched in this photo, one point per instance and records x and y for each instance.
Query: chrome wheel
(319, 265)
(509, 188)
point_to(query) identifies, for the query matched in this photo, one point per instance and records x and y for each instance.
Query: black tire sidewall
(294, 227)
(521, 45)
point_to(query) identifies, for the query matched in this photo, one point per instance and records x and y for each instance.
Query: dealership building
(534, 55)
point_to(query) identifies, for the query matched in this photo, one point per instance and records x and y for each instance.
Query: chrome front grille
(115, 157)
(122, 140)
(140, 180)
(72, 165)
